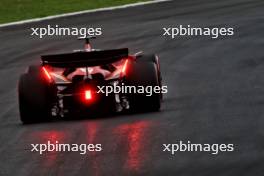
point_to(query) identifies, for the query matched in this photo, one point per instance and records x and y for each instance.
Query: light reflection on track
(50, 158)
(92, 129)
(135, 136)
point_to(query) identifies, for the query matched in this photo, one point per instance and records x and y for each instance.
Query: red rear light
(88, 95)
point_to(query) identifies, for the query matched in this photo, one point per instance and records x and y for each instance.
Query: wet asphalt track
(216, 95)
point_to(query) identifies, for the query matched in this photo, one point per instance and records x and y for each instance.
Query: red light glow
(47, 73)
(88, 95)
(125, 66)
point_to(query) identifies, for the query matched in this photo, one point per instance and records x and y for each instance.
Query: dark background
(215, 94)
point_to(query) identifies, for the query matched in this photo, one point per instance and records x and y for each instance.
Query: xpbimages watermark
(192, 147)
(60, 147)
(125, 89)
(188, 30)
(56, 30)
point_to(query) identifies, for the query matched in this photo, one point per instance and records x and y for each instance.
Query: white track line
(82, 12)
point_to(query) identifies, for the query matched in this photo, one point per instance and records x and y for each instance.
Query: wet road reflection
(49, 158)
(125, 143)
(134, 140)
(92, 129)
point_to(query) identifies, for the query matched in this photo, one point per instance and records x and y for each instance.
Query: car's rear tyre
(144, 72)
(35, 96)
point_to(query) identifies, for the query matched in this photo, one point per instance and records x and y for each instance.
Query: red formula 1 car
(89, 81)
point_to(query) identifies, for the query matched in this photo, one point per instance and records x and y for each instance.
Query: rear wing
(84, 59)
